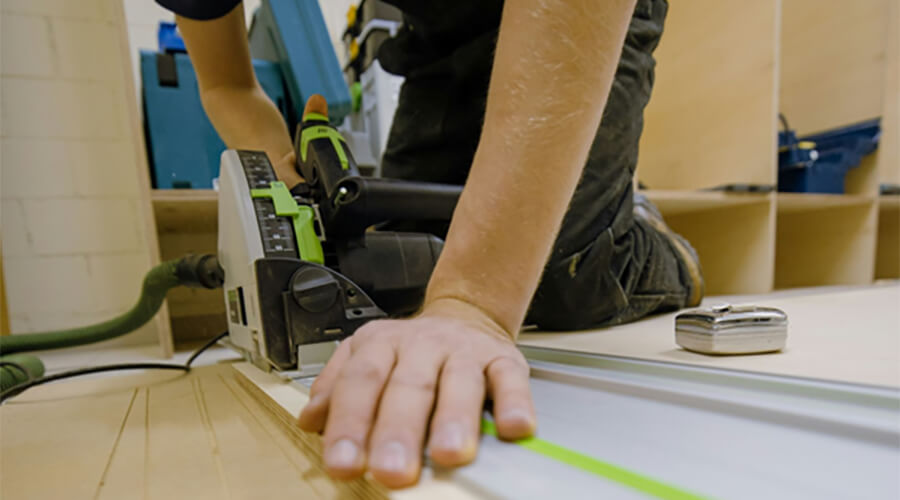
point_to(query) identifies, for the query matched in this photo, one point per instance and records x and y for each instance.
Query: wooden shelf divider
(184, 210)
(804, 202)
(887, 252)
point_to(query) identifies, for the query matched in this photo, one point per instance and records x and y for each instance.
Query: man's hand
(286, 169)
(375, 398)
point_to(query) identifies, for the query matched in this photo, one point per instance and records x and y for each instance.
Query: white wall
(74, 251)
(74, 244)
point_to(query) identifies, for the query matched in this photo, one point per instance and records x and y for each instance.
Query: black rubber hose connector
(200, 271)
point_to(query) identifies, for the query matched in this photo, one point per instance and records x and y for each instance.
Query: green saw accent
(315, 116)
(302, 216)
(596, 467)
(323, 132)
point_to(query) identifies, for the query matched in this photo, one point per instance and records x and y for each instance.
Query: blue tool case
(293, 34)
(819, 163)
(182, 145)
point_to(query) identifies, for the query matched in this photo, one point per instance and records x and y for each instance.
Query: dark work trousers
(607, 266)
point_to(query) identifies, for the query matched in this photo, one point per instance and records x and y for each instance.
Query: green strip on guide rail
(599, 468)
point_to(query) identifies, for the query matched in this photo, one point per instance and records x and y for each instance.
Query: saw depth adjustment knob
(315, 290)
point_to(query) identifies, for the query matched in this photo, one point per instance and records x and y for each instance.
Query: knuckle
(413, 346)
(363, 370)
(458, 366)
(508, 363)
(362, 335)
(345, 427)
(414, 381)
(374, 330)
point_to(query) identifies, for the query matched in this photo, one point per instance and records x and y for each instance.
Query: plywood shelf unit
(187, 222)
(732, 233)
(724, 72)
(183, 210)
(831, 245)
(805, 202)
(725, 69)
(887, 251)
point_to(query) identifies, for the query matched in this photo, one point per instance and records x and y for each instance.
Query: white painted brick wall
(74, 251)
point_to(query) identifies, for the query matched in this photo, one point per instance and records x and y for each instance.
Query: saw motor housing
(304, 270)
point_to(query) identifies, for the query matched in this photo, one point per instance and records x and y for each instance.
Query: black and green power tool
(301, 270)
(304, 268)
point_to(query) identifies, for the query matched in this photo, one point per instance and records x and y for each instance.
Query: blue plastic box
(293, 34)
(823, 169)
(183, 146)
(168, 39)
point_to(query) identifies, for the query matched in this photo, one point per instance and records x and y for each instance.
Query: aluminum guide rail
(710, 432)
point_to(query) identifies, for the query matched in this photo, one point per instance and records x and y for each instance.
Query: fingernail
(518, 416)
(342, 455)
(390, 456)
(449, 438)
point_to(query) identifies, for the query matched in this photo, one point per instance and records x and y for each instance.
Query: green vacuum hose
(19, 368)
(191, 270)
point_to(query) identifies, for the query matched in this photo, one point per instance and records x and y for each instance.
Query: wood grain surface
(847, 335)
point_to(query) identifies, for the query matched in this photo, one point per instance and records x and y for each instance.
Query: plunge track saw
(304, 267)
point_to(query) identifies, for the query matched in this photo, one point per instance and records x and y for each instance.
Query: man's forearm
(246, 118)
(553, 69)
(238, 108)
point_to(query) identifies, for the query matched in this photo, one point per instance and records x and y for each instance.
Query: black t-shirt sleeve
(201, 10)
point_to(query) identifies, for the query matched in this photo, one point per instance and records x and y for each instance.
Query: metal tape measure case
(730, 329)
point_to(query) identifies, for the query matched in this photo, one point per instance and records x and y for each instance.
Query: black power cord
(20, 388)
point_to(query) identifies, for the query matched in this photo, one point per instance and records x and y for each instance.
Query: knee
(578, 300)
(553, 316)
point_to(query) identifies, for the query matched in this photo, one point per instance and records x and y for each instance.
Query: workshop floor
(169, 435)
(74, 358)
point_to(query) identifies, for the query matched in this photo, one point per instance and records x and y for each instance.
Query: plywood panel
(138, 150)
(185, 210)
(889, 149)
(43, 456)
(828, 246)
(863, 180)
(196, 312)
(848, 335)
(712, 117)
(672, 203)
(735, 244)
(804, 202)
(887, 253)
(832, 62)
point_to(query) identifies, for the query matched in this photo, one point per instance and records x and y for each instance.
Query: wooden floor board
(59, 449)
(228, 431)
(124, 475)
(154, 436)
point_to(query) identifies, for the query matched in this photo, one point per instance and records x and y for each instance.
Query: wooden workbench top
(846, 335)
